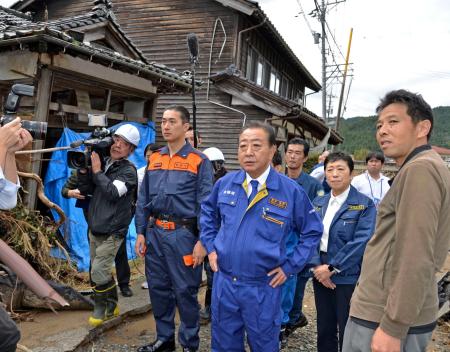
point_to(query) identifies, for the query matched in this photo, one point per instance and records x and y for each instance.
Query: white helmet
(214, 154)
(130, 133)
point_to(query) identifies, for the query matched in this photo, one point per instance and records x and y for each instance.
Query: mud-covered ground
(140, 331)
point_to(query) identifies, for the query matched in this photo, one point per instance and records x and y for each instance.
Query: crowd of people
(370, 245)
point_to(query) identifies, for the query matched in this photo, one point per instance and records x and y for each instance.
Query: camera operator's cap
(130, 133)
(214, 154)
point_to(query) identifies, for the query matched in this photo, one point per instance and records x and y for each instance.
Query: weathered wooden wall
(159, 28)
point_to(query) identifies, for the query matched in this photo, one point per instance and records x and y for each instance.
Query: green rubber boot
(112, 308)
(105, 304)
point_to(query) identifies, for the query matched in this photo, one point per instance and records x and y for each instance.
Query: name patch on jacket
(356, 207)
(278, 203)
(183, 166)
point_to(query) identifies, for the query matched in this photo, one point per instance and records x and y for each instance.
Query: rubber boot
(112, 308)
(105, 304)
(98, 315)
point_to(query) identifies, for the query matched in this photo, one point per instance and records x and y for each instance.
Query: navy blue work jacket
(312, 187)
(350, 230)
(174, 186)
(250, 239)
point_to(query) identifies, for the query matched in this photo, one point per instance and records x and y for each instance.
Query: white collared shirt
(374, 189)
(334, 204)
(8, 192)
(261, 180)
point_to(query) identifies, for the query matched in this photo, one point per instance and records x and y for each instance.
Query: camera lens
(37, 129)
(78, 160)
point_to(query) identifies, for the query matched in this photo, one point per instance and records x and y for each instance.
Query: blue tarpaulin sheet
(75, 229)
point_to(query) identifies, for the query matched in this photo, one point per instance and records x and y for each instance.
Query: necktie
(255, 185)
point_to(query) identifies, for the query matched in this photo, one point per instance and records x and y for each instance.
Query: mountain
(359, 132)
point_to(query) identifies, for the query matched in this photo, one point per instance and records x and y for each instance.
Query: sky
(396, 44)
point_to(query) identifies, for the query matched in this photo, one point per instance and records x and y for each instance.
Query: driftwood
(43, 197)
(16, 295)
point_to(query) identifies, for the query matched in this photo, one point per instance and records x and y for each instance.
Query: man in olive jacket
(394, 306)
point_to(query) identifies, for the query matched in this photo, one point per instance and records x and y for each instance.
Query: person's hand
(321, 273)
(96, 163)
(198, 254)
(329, 284)
(10, 134)
(382, 342)
(279, 277)
(75, 193)
(140, 246)
(24, 139)
(212, 258)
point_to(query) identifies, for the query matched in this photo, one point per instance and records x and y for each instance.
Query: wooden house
(80, 64)
(248, 70)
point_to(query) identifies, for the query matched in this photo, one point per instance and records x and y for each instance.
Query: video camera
(100, 141)
(37, 129)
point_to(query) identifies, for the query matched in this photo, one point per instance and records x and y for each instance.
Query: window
(273, 78)
(260, 72)
(251, 58)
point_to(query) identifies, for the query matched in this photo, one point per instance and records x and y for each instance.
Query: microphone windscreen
(192, 45)
(76, 144)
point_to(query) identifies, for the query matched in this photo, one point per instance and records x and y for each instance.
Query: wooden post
(43, 96)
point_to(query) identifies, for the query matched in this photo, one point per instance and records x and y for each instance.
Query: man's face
(172, 126)
(338, 176)
(255, 154)
(190, 138)
(374, 166)
(121, 148)
(397, 135)
(295, 156)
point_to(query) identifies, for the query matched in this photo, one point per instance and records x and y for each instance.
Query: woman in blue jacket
(348, 219)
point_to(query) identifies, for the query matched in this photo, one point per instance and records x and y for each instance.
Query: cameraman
(109, 215)
(12, 138)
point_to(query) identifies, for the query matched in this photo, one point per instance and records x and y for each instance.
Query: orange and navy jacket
(174, 186)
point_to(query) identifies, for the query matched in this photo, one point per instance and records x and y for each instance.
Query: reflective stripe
(121, 188)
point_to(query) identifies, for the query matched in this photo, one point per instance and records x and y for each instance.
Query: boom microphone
(193, 47)
(76, 144)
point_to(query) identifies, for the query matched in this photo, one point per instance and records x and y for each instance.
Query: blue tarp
(58, 172)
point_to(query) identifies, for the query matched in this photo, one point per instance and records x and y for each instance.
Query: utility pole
(343, 82)
(324, 62)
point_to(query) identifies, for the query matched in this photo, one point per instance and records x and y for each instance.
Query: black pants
(333, 308)
(122, 266)
(209, 282)
(9, 333)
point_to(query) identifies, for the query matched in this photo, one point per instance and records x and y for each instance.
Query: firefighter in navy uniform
(178, 178)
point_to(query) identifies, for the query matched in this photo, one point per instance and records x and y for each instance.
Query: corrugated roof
(17, 28)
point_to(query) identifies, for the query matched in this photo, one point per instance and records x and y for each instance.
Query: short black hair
(417, 107)
(277, 159)
(375, 155)
(151, 146)
(196, 132)
(270, 131)
(336, 156)
(184, 113)
(298, 140)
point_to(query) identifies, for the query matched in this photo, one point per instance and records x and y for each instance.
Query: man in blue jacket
(177, 180)
(244, 225)
(293, 290)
